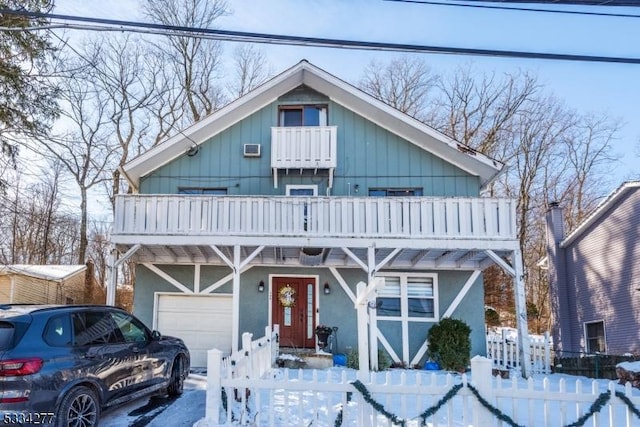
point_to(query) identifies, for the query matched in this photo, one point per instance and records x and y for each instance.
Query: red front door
(293, 308)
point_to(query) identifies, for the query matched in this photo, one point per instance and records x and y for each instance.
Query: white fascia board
(401, 124)
(339, 91)
(211, 125)
(600, 211)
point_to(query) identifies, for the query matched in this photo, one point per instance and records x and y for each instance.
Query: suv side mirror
(155, 336)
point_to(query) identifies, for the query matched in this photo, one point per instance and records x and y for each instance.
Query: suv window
(95, 327)
(6, 335)
(57, 333)
(132, 330)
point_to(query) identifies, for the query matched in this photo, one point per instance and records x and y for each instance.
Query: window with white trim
(408, 296)
(594, 332)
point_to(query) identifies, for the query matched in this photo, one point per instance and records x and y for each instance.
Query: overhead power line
(480, 4)
(242, 36)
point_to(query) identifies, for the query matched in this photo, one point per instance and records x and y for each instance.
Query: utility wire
(227, 35)
(517, 8)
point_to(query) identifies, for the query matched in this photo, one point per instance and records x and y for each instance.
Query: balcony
(416, 222)
(303, 147)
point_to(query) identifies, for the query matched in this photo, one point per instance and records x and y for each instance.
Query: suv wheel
(176, 383)
(79, 408)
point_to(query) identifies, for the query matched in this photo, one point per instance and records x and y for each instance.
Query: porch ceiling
(445, 259)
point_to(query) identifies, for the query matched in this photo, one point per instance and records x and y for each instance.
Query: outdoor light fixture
(261, 286)
(327, 289)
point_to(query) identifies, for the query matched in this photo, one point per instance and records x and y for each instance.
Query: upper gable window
(198, 190)
(303, 115)
(395, 192)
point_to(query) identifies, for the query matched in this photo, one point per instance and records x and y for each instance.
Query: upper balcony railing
(366, 217)
(304, 147)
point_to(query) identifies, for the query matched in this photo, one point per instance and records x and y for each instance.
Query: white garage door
(203, 322)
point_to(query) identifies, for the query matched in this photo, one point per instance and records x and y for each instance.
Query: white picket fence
(242, 390)
(504, 352)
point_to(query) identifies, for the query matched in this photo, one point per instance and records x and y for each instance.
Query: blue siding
(335, 309)
(368, 155)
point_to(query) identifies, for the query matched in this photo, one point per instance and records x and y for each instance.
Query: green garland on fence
(429, 412)
(628, 402)
(377, 406)
(595, 407)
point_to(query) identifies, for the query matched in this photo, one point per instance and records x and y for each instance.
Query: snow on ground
(322, 408)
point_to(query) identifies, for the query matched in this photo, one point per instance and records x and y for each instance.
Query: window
(303, 115)
(196, 190)
(595, 337)
(395, 192)
(57, 333)
(302, 190)
(408, 296)
(95, 328)
(132, 330)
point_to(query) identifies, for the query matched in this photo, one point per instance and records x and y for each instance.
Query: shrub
(491, 316)
(384, 361)
(450, 344)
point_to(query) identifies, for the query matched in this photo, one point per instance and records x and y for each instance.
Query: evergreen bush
(450, 344)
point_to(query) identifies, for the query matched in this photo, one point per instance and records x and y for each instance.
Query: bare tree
(195, 62)
(404, 83)
(249, 69)
(478, 109)
(85, 150)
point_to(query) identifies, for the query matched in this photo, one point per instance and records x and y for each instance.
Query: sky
(608, 88)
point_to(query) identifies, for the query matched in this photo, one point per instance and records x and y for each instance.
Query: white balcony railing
(370, 217)
(304, 147)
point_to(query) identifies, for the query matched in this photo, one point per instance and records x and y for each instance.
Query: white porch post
(113, 278)
(373, 319)
(521, 313)
(363, 337)
(235, 327)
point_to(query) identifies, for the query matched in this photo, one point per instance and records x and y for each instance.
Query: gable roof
(305, 73)
(602, 210)
(56, 273)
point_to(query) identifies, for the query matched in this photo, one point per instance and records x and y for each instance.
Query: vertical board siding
(366, 154)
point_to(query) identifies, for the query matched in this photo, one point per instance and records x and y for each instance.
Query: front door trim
(316, 295)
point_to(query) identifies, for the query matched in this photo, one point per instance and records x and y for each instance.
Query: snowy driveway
(162, 411)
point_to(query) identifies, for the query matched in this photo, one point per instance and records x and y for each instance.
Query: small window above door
(303, 115)
(302, 190)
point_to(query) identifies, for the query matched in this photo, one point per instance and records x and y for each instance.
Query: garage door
(203, 322)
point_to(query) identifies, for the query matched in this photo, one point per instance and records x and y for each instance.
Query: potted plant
(323, 332)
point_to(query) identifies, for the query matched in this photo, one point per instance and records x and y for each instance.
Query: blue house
(274, 209)
(594, 277)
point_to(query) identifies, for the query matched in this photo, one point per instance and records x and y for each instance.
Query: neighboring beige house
(48, 284)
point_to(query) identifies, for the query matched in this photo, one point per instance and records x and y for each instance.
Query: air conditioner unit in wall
(251, 150)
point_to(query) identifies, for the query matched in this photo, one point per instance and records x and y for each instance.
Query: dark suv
(61, 365)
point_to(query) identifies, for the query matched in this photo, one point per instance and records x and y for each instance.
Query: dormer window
(303, 115)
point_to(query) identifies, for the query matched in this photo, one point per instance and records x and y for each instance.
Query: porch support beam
(196, 279)
(343, 284)
(235, 326)
(517, 273)
(388, 258)
(168, 278)
(251, 257)
(373, 318)
(363, 338)
(222, 256)
(113, 277)
(209, 289)
(502, 263)
(355, 258)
